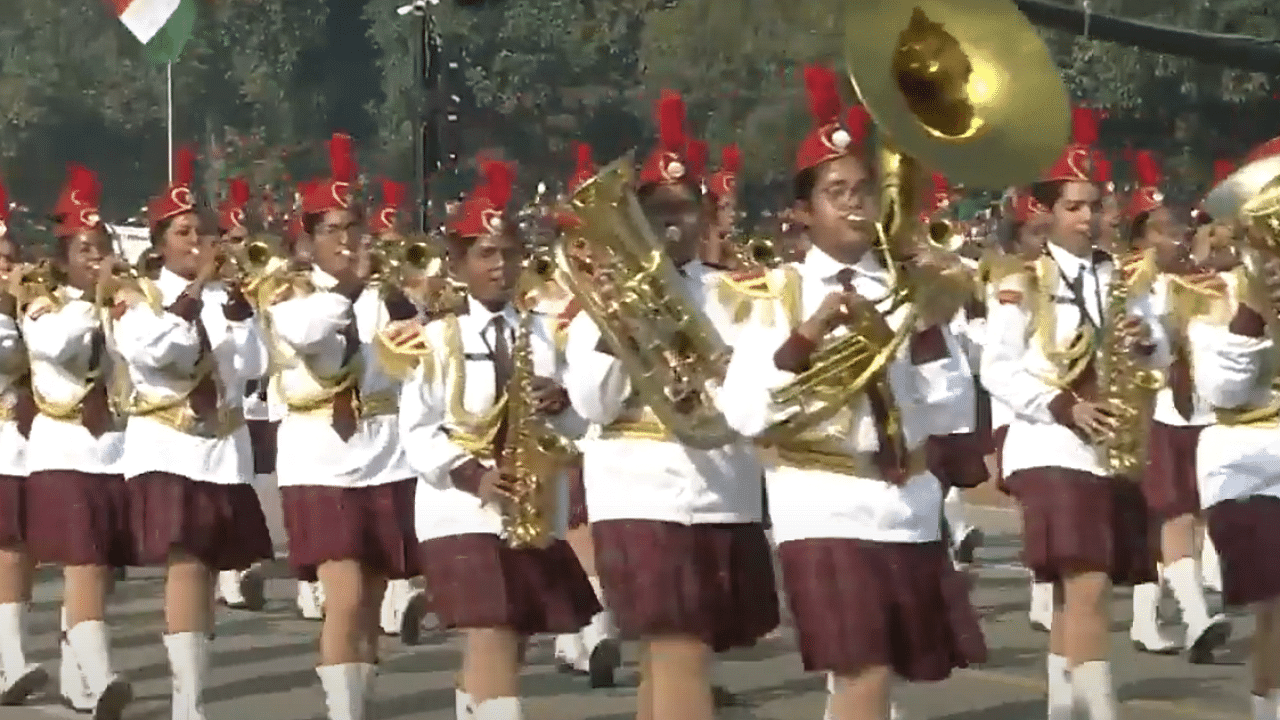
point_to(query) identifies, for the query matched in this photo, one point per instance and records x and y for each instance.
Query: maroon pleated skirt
(1169, 483)
(221, 525)
(664, 579)
(478, 581)
(577, 497)
(1246, 534)
(262, 439)
(1073, 522)
(76, 518)
(372, 524)
(998, 437)
(13, 511)
(958, 460)
(859, 604)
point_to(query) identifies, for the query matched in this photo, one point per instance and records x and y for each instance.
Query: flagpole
(169, 115)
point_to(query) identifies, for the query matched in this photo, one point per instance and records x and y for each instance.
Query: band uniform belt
(181, 418)
(371, 405)
(825, 456)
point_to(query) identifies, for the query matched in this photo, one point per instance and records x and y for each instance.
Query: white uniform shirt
(306, 334)
(13, 364)
(1015, 369)
(1166, 411)
(641, 479)
(428, 417)
(1234, 462)
(161, 350)
(809, 503)
(60, 345)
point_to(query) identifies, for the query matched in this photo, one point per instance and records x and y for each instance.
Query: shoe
(252, 588)
(968, 546)
(17, 690)
(1202, 641)
(1152, 640)
(411, 618)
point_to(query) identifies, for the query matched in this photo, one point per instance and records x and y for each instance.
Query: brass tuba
(967, 88)
(1249, 199)
(626, 283)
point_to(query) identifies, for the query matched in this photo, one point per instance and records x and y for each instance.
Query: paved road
(263, 665)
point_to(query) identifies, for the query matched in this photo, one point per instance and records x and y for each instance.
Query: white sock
(344, 690)
(953, 510)
(1184, 580)
(504, 708)
(13, 659)
(1091, 689)
(1210, 570)
(1264, 708)
(70, 677)
(189, 665)
(1060, 700)
(92, 649)
(462, 704)
(1146, 607)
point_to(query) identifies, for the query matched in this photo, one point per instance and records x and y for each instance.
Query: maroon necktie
(344, 402)
(203, 399)
(24, 406)
(1180, 383)
(95, 409)
(891, 453)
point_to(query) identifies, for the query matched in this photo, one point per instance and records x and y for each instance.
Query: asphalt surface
(263, 664)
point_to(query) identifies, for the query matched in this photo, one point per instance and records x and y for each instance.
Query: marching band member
(1029, 236)
(1238, 458)
(593, 650)
(456, 424)
(403, 605)
(243, 589)
(681, 552)
(856, 513)
(18, 678)
(1082, 529)
(76, 504)
(722, 196)
(346, 488)
(956, 456)
(1169, 483)
(189, 351)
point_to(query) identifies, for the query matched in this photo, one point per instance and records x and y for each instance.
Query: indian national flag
(163, 26)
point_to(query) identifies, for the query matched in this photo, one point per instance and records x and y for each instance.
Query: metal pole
(169, 116)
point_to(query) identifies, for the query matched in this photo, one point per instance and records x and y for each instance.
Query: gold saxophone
(1125, 384)
(534, 454)
(625, 282)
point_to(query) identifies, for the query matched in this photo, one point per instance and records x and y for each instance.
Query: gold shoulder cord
(473, 432)
(1069, 361)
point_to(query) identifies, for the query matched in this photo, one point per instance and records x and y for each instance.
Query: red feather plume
(730, 158)
(4, 202)
(858, 122)
(824, 96)
(1146, 169)
(238, 191)
(85, 182)
(698, 153)
(392, 193)
(499, 179)
(1222, 169)
(342, 161)
(1084, 125)
(671, 121)
(184, 166)
(583, 163)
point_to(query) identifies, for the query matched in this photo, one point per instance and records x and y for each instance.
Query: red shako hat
(231, 212)
(724, 183)
(1146, 196)
(1025, 207)
(393, 195)
(938, 197)
(1222, 169)
(1077, 159)
(484, 209)
(668, 164)
(1102, 173)
(584, 166)
(699, 154)
(77, 206)
(4, 210)
(829, 140)
(333, 193)
(177, 199)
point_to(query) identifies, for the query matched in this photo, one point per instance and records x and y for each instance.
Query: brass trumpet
(945, 235)
(395, 259)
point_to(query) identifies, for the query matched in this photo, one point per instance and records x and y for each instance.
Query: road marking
(1181, 709)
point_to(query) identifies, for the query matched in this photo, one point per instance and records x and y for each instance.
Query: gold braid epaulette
(756, 292)
(400, 355)
(1201, 296)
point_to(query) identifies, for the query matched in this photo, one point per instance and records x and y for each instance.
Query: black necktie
(95, 409)
(501, 376)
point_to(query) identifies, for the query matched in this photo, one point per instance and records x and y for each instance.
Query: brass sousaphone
(966, 88)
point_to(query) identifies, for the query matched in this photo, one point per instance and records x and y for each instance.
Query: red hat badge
(1147, 196)
(231, 213)
(1076, 161)
(828, 139)
(667, 163)
(584, 166)
(77, 207)
(1026, 207)
(333, 193)
(484, 210)
(177, 198)
(393, 195)
(724, 183)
